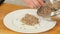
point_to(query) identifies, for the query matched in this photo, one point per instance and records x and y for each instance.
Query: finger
(40, 2)
(36, 3)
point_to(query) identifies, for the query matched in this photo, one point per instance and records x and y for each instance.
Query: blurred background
(16, 2)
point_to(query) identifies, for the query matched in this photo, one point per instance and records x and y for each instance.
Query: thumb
(41, 2)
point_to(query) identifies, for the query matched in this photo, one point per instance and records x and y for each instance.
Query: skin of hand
(34, 3)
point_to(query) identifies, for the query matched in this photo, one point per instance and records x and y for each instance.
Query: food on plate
(30, 20)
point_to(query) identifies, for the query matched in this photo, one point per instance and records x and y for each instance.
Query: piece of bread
(30, 20)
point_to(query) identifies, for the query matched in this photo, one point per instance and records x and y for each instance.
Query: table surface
(6, 8)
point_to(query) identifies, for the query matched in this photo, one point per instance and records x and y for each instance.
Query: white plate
(12, 21)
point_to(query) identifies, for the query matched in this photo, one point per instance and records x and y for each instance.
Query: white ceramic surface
(12, 21)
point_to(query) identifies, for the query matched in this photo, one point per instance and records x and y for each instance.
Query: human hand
(34, 3)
